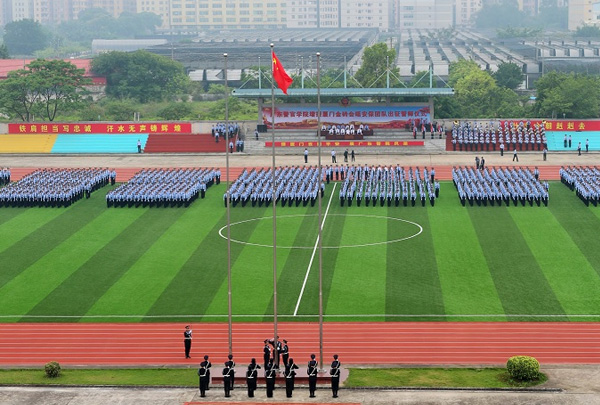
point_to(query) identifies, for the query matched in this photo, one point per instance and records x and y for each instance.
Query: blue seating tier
(99, 143)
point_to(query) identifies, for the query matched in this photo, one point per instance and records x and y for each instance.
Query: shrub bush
(52, 369)
(523, 368)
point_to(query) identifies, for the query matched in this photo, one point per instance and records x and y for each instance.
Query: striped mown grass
(90, 263)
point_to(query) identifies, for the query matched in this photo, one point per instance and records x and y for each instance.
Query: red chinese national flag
(280, 75)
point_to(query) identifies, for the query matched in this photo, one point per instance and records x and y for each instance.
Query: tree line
(57, 88)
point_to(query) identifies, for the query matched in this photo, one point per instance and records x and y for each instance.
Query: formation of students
(584, 180)
(220, 130)
(4, 176)
(276, 362)
(494, 186)
(348, 129)
(295, 186)
(387, 185)
(507, 135)
(54, 187)
(163, 187)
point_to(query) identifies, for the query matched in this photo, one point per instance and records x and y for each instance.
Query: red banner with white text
(101, 128)
(330, 144)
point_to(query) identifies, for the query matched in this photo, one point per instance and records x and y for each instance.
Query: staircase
(184, 143)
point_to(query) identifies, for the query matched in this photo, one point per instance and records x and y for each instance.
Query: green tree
(176, 111)
(58, 83)
(4, 52)
(17, 100)
(372, 72)
(506, 104)
(97, 23)
(509, 75)
(140, 75)
(574, 95)
(587, 31)
(24, 37)
(44, 87)
(504, 13)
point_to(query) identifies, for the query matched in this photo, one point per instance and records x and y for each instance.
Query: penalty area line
(312, 256)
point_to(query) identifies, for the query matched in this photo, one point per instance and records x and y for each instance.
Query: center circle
(418, 229)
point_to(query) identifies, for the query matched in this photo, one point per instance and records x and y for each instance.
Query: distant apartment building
(465, 11)
(583, 12)
(340, 14)
(56, 11)
(425, 14)
(158, 7)
(113, 7)
(227, 14)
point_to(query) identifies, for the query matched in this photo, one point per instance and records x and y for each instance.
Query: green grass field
(89, 263)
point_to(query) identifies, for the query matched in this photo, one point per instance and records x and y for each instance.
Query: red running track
(441, 172)
(428, 343)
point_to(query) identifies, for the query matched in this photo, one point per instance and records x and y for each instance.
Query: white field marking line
(306, 316)
(387, 242)
(312, 257)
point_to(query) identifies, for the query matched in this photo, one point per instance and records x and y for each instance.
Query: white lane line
(312, 257)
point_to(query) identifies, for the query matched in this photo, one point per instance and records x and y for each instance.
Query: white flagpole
(274, 202)
(227, 135)
(320, 237)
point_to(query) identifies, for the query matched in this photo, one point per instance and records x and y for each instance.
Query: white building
(340, 14)
(424, 14)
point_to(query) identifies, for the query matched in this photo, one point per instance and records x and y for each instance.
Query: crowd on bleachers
(163, 187)
(494, 186)
(4, 176)
(506, 135)
(55, 187)
(295, 185)
(348, 129)
(387, 185)
(584, 180)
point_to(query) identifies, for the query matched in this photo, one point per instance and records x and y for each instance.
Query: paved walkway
(580, 385)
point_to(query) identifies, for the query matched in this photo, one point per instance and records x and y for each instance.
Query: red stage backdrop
(101, 128)
(377, 117)
(329, 144)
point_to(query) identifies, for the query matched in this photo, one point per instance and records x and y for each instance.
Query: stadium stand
(584, 180)
(27, 143)
(163, 188)
(295, 185)
(492, 186)
(181, 143)
(387, 185)
(54, 187)
(99, 143)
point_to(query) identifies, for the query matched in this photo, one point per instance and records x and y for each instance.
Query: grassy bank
(436, 377)
(395, 377)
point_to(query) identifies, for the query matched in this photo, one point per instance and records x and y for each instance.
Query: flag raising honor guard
(280, 75)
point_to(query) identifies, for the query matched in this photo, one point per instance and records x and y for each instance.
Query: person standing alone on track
(187, 341)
